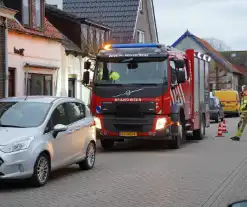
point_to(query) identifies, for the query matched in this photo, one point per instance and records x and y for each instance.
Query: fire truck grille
(133, 124)
(127, 127)
(127, 109)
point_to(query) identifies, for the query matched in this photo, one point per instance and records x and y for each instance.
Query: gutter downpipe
(6, 93)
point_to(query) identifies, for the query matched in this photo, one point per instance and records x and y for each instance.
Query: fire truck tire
(177, 140)
(199, 134)
(107, 144)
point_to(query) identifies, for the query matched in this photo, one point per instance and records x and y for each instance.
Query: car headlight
(97, 123)
(160, 123)
(17, 146)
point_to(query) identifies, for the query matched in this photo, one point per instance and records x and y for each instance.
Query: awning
(72, 76)
(39, 65)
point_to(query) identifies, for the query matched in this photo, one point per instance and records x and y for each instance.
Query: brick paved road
(204, 173)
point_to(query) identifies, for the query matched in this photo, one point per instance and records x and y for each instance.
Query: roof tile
(120, 15)
(49, 30)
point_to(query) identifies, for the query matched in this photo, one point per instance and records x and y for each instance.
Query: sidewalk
(234, 187)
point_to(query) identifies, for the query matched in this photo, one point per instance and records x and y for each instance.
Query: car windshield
(22, 114)
(131, 71)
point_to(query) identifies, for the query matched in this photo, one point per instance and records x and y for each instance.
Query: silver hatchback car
(39, 134)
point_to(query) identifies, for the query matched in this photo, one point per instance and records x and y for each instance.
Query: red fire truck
(149, 91)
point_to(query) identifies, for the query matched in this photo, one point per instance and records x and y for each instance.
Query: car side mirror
(239, 204)
(179, 63)
(59, 128)
(86, 77)
(87, 65)
(181, 76)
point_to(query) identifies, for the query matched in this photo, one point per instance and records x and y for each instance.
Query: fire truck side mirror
(87, 65)
(86, 77)
(179, 64)
(181, 78)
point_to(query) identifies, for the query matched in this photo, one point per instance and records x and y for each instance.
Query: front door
(76, 115)
(11, 82)
(72, 87)
(62, 143)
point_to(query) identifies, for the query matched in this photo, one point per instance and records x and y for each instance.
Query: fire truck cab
(151, 92)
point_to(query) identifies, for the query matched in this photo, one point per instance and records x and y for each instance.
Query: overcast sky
(223, 19)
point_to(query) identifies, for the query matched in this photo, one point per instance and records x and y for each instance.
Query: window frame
(29, 84)
(29, 24)
(141, 6)
(141, 34)
(42, 14)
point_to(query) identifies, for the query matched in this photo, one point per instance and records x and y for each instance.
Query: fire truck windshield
(131, 71)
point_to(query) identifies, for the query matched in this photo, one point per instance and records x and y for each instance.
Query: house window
(39, 84)
(91, 36)
(140, 37)
(98, 38)
(84, 33)
(71, 87)
(26, 11)
(39, 13)
(141, 5)
(102, 37)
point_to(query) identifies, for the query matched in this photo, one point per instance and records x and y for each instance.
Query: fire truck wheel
(107, 144)
(177, 140)
(199, 134)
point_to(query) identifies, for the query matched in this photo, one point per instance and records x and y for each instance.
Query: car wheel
(217, 120)
(107, 144)
(41, 171)
(89, 161)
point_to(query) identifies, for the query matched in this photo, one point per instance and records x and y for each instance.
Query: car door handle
(77, 129)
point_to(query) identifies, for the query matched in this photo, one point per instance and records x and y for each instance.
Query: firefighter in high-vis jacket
(243, 117)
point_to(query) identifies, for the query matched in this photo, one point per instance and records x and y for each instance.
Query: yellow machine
(231, 101)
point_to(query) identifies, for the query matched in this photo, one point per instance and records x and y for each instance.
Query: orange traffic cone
(224, 129)
(220, 133)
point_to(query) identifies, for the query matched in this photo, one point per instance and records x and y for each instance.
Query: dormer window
(39, 13)
(141, 5)
(26, 12)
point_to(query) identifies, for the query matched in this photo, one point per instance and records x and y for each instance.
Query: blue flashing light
(150, 45)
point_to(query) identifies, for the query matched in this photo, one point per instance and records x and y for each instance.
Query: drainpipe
(6, 57)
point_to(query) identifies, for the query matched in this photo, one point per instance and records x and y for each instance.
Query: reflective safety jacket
(243, 106)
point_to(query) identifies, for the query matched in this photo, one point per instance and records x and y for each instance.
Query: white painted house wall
(49, 52)
(75, 66)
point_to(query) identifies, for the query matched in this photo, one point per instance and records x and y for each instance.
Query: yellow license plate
(128, 134)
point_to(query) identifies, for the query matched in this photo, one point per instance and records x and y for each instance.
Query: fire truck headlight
(97, 123)
(161, 123)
